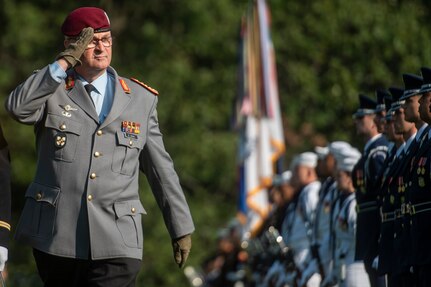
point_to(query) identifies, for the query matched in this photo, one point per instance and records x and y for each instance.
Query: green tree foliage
(327, 52)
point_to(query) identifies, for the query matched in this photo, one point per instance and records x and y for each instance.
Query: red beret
(85, 17)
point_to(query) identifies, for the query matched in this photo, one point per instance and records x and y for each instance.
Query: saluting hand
(182, 248)
(75, 49)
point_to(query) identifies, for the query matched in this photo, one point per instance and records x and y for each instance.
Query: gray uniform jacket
(84, 200)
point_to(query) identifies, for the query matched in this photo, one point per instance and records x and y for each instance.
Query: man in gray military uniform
(94, 131)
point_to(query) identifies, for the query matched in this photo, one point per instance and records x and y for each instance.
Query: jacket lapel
(79, 95)
(121, 101)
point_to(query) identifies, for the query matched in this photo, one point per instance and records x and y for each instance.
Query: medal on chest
(401, 186)
(130, 129)
(360, 180)
(421, 171)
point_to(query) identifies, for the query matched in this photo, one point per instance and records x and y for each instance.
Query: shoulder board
(124, 86)
(155, 92)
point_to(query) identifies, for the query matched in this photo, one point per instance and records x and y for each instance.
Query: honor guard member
(380, 109)
(418, 200)
(322, 247)
(410, 107)
(366, 178)
(94, 131)
(347, 271)
(297, 225)
(281, 194)
(390, 191)
(5, 202)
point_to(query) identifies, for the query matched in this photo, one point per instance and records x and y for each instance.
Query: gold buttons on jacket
(63, 127)
(133, 210)
(97, 154)
(99, 132)
(39, 196)
(93, 175)
(90, 197)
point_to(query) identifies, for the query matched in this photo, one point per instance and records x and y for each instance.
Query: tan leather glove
(74, 51)
(182, 248)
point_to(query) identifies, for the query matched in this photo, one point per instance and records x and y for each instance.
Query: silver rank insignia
(66, 114)
(67, 109)
(60, 140)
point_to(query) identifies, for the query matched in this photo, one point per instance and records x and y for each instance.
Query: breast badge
(130, 129)
(60, 140)
(67, 109)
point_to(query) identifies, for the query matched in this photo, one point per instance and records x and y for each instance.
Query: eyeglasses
(106, 42)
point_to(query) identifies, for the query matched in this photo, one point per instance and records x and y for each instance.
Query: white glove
(3, 257)
(330, 280)
(375, 264)
(274, 272)
(311, 269)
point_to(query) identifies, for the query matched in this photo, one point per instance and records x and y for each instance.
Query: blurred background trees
(327, 52)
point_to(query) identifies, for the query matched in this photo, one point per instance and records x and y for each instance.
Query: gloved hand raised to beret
(182, 248)
(74, 50)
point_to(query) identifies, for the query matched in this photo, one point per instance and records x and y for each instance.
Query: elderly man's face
(98, 58)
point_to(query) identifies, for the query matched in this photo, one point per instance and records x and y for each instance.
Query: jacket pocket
(126, 154)
(129, 222)
(39, 213)
(63, 133)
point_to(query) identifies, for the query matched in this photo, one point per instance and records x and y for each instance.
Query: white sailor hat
(335, 146)
(347, 158)
(281, 179)
(321, 151)
(308, 159)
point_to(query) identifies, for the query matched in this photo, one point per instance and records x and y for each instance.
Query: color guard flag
(257, 118)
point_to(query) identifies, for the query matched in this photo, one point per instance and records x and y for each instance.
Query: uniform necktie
(89, 88)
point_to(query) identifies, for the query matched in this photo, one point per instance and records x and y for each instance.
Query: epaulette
(154, 91)
(124, 86)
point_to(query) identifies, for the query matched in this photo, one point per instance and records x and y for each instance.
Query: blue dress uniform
(380, 108)
(392, 163)
(415, 208)
(366, 176)
(418, 203)
(402, 262)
